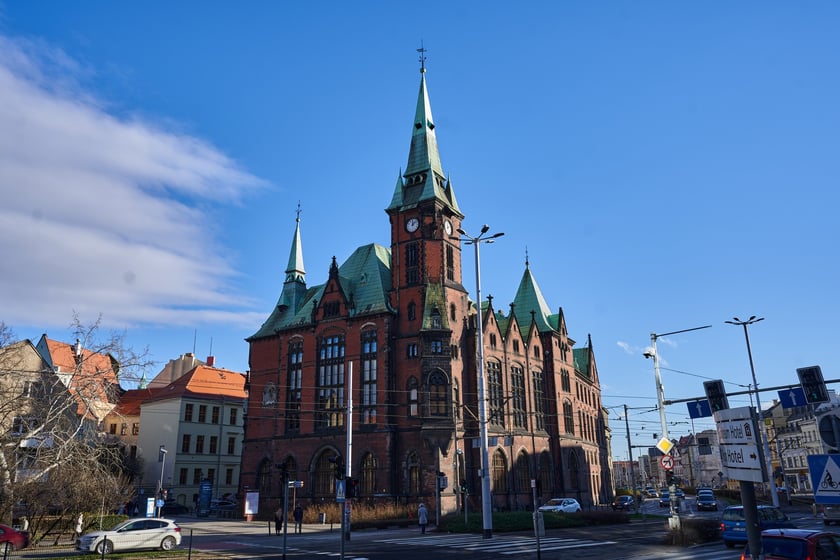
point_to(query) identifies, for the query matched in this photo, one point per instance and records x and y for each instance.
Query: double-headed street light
(486, 506)
(768, 464)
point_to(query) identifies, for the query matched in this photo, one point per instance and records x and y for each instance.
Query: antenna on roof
(195, 335)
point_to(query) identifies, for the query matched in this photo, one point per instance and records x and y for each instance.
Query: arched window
(568, 417)
(438, 390)
(294, 383)
(368, 480)
(539, 400)
(456, 399)
(499, 472)
(264, 478)
(413, 474)
(546, 487)
(436, 320)
(325, 474)
(329, 404)
(495, 395)
(523, 472)
(517, 402)
(367, 410)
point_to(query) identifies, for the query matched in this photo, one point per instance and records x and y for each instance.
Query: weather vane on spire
(422, 52)
(297, 219)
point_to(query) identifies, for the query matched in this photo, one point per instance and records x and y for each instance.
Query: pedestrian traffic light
(338, 461)
(716, 394)
(351, 486)
(811, 379)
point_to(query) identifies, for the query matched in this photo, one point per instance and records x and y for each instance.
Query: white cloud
(102, 213)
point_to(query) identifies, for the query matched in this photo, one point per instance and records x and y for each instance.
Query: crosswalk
(507, 545)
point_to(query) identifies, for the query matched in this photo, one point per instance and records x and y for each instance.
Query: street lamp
(486, 506)
(768, 465)
(660, 390)
(159, 497)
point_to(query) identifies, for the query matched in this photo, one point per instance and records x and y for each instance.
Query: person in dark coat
(278, 521)
(298, 515)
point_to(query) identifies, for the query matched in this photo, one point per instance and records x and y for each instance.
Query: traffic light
(716, 394)
(338, 461)
(351, 486)
(811, 379)
(284, 470)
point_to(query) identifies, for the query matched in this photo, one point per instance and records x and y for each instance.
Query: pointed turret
(424, 177)
(294, 286)
(529, 299)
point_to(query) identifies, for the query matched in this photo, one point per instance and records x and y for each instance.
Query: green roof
(529, 298)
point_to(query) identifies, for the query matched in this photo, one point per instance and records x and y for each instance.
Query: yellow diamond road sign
(665, 445)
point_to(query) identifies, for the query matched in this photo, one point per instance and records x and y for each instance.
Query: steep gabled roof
(529, 298)
(365, 279)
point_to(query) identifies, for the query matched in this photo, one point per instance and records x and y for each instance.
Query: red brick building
(402, 319)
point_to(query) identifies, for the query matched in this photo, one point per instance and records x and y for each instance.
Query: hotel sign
(739, 449)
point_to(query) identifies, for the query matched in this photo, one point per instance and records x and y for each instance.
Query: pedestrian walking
(80, 525)
(298, 515)
(422, 517)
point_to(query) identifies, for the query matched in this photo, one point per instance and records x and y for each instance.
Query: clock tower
(427, 291)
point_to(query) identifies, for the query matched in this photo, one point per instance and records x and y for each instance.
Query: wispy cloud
(103, 213)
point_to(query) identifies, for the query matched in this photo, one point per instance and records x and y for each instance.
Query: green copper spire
(529, 298)
(424, 177)
(294, 270)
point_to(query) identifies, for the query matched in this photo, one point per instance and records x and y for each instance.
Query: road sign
(667, 462)
(340, 489)
(295, 484)
(699, 409)
(793, 397)
(665, 445)
(825, 478)
(737, 436)
(828, 425)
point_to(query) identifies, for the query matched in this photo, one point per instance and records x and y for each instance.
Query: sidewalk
(241, 526)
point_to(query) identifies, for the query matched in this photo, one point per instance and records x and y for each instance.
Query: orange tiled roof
(93, 381)
(205, 381)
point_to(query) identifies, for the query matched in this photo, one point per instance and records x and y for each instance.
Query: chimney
(211, 361)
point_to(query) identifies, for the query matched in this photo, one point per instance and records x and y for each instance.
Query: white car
(133, 534)
(561, 505)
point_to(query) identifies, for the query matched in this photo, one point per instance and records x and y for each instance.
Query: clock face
(412, 224)
(447, 225)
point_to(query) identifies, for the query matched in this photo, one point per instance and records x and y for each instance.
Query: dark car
(797, 544)
(706, 502)
(733, 526)
(16, 539)
(665, 499)
(623, 502)
(174, 508)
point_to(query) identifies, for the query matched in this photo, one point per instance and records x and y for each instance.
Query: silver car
(133, 534)
(561, 505)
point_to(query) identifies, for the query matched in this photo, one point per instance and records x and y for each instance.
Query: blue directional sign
(825, 478)
(699, 409)
(793, 397)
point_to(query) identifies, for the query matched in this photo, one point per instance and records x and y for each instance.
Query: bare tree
(54, 458)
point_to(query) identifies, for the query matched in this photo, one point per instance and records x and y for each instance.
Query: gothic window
(325, 475)
(412, 264)
(565, 381)
(413, 398)
(438, 389)
(436, 321)
(517, 388)
(436, 347)
(294, 384)
(331, 309)
(456, 399)
(545, 474)
(413, 474)
(450, 263)
(568, 417)
(368, 480)
(369, 378)
(523, 473)
(500, 483)
(263, 478)
(537, 352)
(269, 396)
(452, 312)
(329, 401)
(494, 392)
(539, 400)
(516, 346)
(412, 311)
(492, 341)
(411, 350)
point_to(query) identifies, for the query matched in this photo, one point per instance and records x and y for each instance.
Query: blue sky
(665, 165)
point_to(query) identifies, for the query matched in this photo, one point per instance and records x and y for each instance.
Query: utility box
(539, 524)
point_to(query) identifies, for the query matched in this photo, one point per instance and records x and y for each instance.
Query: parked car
(797, 544)
(222, 505)
(664, 498)
(133, 534)
(623, 502)
(733, 527)
(174, 508)
(831, 514)
(16, 539)
(561, 505)
(706, 501)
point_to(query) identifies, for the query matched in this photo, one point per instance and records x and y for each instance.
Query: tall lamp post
(768, 464)
(159, 497)
(486, 506)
